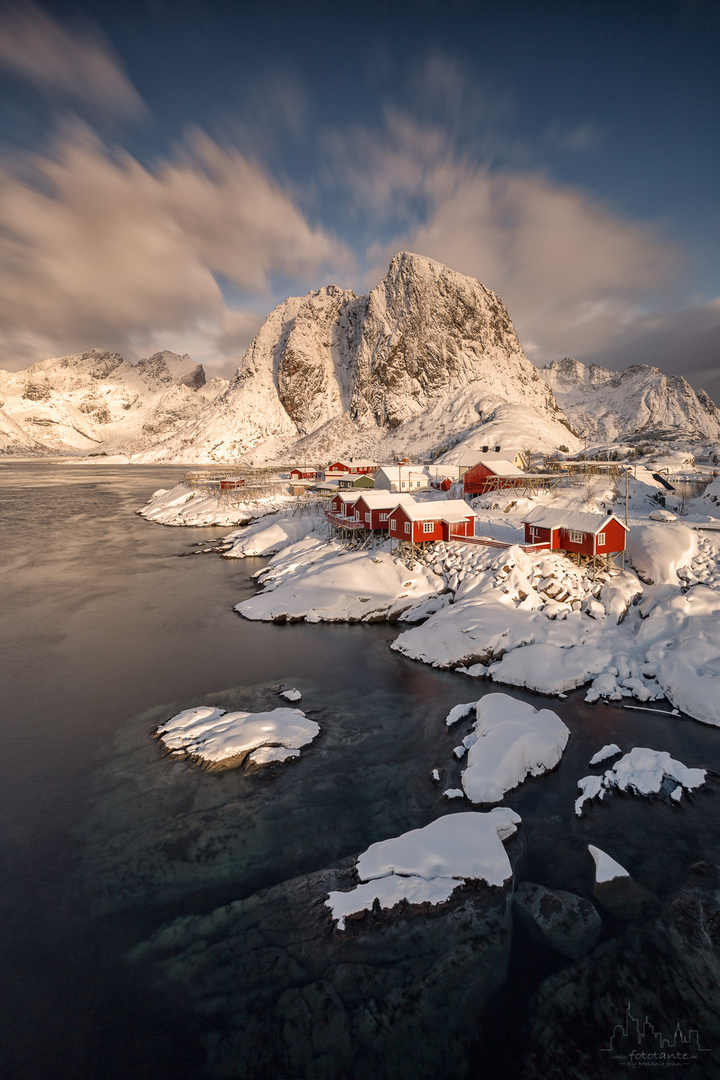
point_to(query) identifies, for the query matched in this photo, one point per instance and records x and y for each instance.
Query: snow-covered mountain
(96, 402)
(638, 404)
(418, 364)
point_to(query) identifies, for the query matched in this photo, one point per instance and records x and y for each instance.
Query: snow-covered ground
(534, 620)
(427, 865)
(221, 740)
(319, 581)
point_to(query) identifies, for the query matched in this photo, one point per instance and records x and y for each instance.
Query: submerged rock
(666, 969)
(562, 920)
(283, 993)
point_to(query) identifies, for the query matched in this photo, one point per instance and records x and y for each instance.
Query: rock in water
(566, 922)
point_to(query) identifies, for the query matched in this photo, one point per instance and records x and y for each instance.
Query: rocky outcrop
(639, 403)
(665, 969)
(559, 919)
(283, 993)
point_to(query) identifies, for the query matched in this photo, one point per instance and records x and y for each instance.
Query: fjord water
(105, 632)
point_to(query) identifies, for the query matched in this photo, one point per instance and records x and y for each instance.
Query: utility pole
(626, 495)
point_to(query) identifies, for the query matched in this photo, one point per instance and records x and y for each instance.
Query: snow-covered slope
(639, 402)
(95, 401)
(421, 361)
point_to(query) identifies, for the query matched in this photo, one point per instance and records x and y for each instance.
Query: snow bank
(509, 741)
(182, 506)
(220, 739)
(681, 641)
(644, 772)
(322, 582)
(550, 669)
(658, 551)
(426, 865)
(268, 537)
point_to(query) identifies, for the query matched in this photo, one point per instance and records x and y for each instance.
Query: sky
(171, 170)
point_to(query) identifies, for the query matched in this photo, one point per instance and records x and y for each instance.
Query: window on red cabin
(575, 537)
(407, 526)
(428, 526)
(393, 525)
(601, 539)
(383, 517)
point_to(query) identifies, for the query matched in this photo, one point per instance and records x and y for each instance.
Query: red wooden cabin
(351, 466)
(424, 523)
(230, 484)
(303, 474)
(490, 475)
(575, 532)
(343, 503)
(375, 507)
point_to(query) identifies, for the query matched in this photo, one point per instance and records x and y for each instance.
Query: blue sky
(169, 171)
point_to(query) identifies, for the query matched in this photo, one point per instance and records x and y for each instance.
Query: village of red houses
(372, 498)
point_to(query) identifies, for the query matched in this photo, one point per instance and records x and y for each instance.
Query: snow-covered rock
(550, 669)
(321, 582)
(642, 771)
(606, 868)
(427, 865)
(510, 740)
(183, 505)
(609, 750)
(221, 740)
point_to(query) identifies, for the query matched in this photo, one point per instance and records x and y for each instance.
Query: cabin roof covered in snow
(403, 472)
(578, 520)
(497, 465)
(379, 500)
(444, 510)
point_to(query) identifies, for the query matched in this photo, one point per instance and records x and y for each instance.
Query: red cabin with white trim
(575, 532)
(360, 466)
(344, 504)
(303, 474)
(491, 475)
(430, 522)
(375, 507)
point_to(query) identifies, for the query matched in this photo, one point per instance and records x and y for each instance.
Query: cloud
(684, 342)
(78, 66)
(572, 271)
(98, 249)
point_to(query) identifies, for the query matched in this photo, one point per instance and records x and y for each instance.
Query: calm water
(105, 632)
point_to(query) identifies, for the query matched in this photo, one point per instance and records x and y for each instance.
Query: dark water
(105, 632)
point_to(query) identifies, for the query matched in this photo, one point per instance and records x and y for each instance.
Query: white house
(402, 478)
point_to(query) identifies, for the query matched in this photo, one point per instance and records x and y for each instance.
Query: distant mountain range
(638, 404)
(96, 402)
(426, 363)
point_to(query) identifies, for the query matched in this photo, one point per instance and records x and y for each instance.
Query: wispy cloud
(75, 65)
(99, 249)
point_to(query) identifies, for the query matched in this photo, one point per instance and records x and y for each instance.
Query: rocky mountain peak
(427, 347)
